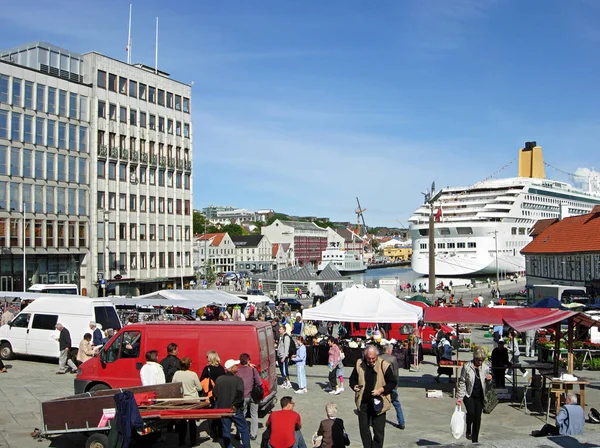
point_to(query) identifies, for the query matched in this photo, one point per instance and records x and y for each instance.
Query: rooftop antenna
(128, 49)
(156, 55)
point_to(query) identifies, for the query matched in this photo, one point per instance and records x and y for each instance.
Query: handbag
(257, 393)
(317, 440)
(457, 423)
(490, 400)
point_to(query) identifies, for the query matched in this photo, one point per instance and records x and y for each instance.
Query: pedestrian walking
(393, 361)
(283, 351)
(513, 350)
(250, 376)
(191, 386)
(152, 372)
(499, 364)
(530, 342)
(474, 381)
(64, 345)
(373, 380)
(171, 362)
(300, 359)
(336, 368)
(229, 394)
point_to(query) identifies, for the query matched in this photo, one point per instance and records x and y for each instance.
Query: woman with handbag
(300, 359)
(474, 381)
(332, 429)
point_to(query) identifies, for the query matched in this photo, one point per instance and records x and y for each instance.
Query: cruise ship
(493, 218)
(345, 262)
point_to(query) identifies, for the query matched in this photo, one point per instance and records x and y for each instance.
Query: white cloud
(586, 178)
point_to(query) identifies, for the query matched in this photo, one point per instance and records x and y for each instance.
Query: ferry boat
(346, 263)
(492, 219)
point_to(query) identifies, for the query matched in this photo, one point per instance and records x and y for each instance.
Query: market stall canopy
(187, 298)
(360, 304)
(548, 302)
(419, 298)
(521, 319)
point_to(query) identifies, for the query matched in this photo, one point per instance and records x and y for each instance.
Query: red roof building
(565, 251)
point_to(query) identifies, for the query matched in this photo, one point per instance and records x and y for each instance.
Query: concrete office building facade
(44, 166)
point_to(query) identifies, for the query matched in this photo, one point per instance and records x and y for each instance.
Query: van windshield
(107, 317)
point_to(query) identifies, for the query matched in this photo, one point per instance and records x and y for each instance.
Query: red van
(120, 360)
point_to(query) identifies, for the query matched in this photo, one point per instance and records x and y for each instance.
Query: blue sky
(301, 106)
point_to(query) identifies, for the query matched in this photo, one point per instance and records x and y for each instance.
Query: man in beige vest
(372, 381)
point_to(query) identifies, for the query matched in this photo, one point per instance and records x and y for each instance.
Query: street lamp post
(24, 246)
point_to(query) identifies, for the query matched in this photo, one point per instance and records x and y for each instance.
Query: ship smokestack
(531, 161)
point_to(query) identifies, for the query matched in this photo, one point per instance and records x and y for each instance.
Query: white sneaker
(299, 391)
(338, 391)
(341, 389)
(334, 392)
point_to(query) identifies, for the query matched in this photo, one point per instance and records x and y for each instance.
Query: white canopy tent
(360, 304)
(187, 298)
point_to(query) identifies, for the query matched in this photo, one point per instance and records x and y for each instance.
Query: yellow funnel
(531, 161)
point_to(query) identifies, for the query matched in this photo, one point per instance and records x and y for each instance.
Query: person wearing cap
(96, 334)
(229, 394)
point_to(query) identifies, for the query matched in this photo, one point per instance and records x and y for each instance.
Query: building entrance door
(6, 283)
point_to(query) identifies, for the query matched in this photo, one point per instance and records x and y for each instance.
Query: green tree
(198, 222)
(258, 226)
(234, 230)
(280, 216)
(211, 275)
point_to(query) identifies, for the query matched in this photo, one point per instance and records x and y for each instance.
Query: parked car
(120, 360)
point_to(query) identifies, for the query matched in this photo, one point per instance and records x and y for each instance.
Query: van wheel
(97, 387)
(97, 440)
(6, 351)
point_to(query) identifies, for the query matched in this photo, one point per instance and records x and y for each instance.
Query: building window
(112, 201)
(161, 205)
(50, 165)
(178, 128)
(171, 259)
(4, 88)
(51, 100)
(3, 124)
(170, 206)
(186, 105)
(123, 85)
(152, 232)
(142, 175)
(112, 170)
(16, 126)
(142, 232)
(122, 201)
(152, 121)
(169, 100)
(132, 89)
(152, 95)
(100, 200)
(122, 231)
(62, 135)
(186, 130)
(101, 109)
(161, 232)
(169, 126)
(82, 139)
(132, 117)
(152, 176)
(28, 129)
(187, 208)
(132, 202)
(152, 204)
(186, 181)
(161, 260)
(101, 79)
(112, 112)
(143, 119)
(142, 203)
(101, 168)
(123, 114)
(83, 108)
(72, 169)
(112, 82)
(142, 95)
(62, 103)
(72, 137)
(177, 102)
(50, 133)
(178, 206)
(40, 97)
(132, 231)
(161, 124)
(161, 97)
(28, 95)
(16, 92)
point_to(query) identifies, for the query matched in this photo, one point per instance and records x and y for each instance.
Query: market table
(559, 386)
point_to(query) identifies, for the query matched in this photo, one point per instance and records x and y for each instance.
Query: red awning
(487, 316)
(521, 319)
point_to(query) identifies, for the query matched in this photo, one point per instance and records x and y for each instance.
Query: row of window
(42, 233)
(173, 233)
(145, 119)
(142, 175)
(115, 140)
(141, 91)
(150, 207)
(147, 260)
(469, 245)
(521, 230)
(45, 132)
(40, 165)
(42, 98)
(42, 199)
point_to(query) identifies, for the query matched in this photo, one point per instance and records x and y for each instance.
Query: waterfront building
(252, 253)
(281, 255)
(216, 250)
(565, 251)
(306, 239)
(224, 215)
(44, 167)
(346, 240)
(100, 153)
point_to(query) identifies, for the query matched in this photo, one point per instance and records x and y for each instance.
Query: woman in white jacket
(474, 381)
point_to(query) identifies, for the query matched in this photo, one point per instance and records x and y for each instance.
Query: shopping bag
(457, 424)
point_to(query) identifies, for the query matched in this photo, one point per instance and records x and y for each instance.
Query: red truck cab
(120, 360)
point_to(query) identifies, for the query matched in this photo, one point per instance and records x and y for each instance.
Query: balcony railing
(124, 153)
(134, 155)
(102, 151)
(153, 160)
(113, 153)
(188, 165)
(144, 157)
(180, 164)
(163, 161)
(171, 162)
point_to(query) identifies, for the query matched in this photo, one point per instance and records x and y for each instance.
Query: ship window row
(136, 117)
(16, 196)
(459, 245)
(42, 233)
(42, 98)
(532, 197)
(40, 165)
(130, 203)
(142, 175)
(41, 131)
(444, 231)
(142, 91)
(520, 230)
(121, 232)
(147, 260)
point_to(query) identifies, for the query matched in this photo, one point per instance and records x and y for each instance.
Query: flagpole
(156, 54)
(129, 36)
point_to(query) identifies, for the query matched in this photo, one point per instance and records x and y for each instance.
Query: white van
(32, 331)
(55, 288)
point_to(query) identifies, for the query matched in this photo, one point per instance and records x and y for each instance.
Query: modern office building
(44, 167)
(108, 146)
(306, 239)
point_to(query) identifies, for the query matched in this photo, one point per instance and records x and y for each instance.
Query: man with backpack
(286, 348)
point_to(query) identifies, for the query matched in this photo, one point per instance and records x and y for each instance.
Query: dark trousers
(474, 407)
(333, 379)
(547, 430)
(182, 427)
(239, 420)
(499, 379)
(365, 421)
(283, 368)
